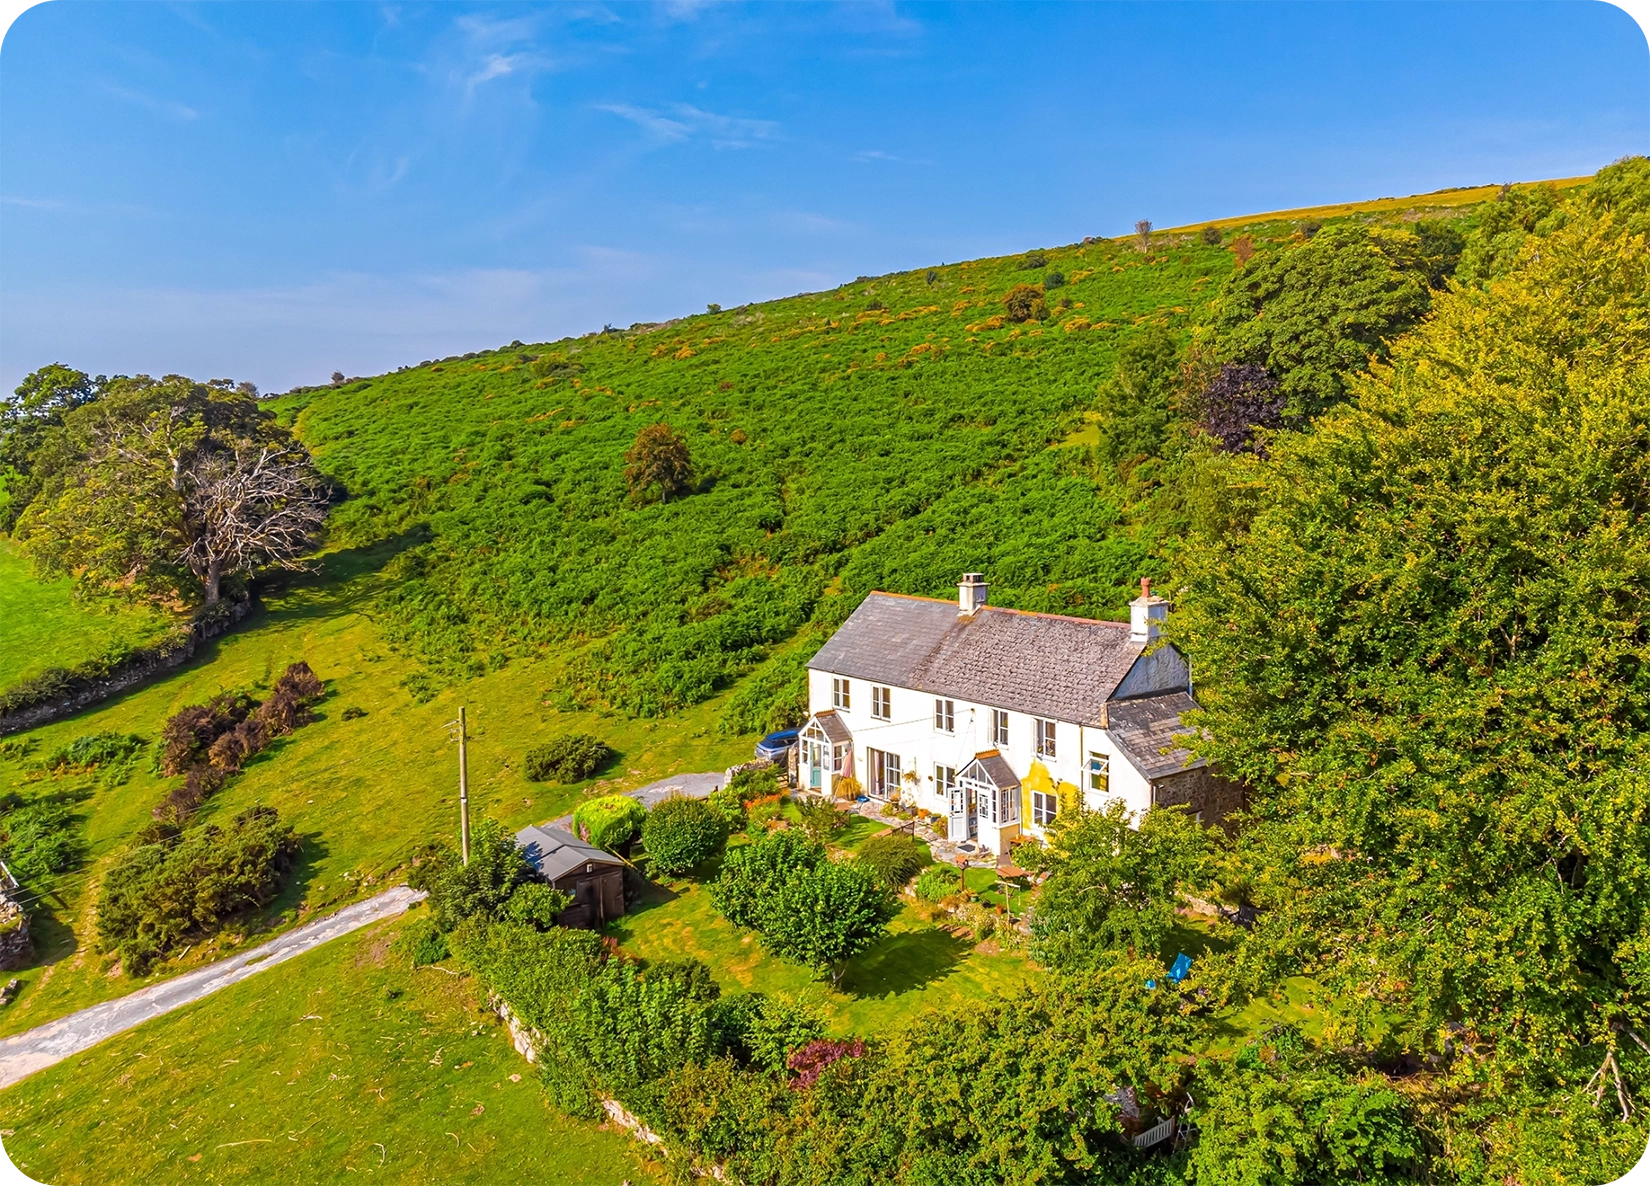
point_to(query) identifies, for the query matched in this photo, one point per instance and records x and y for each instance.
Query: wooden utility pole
(463, 787)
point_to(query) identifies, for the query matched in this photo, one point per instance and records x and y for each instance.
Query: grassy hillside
(816, 424)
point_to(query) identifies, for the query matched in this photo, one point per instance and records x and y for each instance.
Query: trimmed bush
(894, 857)
(610, 822)
(682, 833)
(938, 882)
(572, 757)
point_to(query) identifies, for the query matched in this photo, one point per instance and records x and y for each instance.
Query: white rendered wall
(910, 733)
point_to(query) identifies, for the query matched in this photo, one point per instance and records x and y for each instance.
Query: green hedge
(610, 822)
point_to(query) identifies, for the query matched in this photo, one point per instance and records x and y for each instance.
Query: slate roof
(1048, 665)
(1145, 728)
(556, 853)
(995, 767)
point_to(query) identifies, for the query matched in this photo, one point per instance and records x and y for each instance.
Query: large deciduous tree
(163, 484)
(27, 419)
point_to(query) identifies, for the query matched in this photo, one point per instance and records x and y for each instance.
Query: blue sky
(274, 191)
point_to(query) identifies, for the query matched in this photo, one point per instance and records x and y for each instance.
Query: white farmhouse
(998, 719)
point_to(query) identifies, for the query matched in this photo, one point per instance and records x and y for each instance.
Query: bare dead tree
(250, 508)
(1143, 234)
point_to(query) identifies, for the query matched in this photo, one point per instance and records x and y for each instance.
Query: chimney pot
(971, 594)
(1146, 614)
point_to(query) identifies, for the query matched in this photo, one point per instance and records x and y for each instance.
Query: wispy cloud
(165, 107)
(683, 121)
(34, 203)
(491, 48)
(685, 10)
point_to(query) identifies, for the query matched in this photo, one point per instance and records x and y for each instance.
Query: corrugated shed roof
(994, 767)
(1150, 733)
(555, 852)
(1048, 665)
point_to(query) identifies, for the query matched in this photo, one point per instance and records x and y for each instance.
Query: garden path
(33, 1050)
(694, 786)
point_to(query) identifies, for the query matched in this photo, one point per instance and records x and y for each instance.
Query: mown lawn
(42, 625)
(342, 1065)
(364, 793)
(918, 964)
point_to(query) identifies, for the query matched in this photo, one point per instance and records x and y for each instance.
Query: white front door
(956, 824)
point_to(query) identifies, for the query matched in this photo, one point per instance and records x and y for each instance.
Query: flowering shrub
(811, 1061)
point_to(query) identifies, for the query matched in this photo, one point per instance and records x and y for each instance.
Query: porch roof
(831, 725)
(994, 768)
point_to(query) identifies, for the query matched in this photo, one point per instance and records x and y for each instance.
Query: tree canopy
(167, 486)
(1427, 652)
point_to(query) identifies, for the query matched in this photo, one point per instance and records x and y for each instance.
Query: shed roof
(1150, 733)
(1049, 665)
(556, 852)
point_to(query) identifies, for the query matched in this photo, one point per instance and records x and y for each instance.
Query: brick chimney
(970, 594)
(1146, 614)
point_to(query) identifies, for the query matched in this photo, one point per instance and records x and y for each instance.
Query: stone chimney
(1146, 614)
(970, 594)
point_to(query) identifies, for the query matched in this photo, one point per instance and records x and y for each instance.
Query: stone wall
(143, 666)
(1210, 797)
(16, 948)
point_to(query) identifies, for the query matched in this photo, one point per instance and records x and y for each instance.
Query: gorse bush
(572, 757)
(1024, 302)
(157, 895)
(681, 834)
(658, 460)
(610, 822)
(209, 742)
(40, 839)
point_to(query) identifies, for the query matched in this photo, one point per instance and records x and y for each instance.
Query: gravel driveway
(33, 1050)
(694, 786)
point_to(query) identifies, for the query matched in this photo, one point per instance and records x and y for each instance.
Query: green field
(43, 625)
(341, 1065)
(363, 793)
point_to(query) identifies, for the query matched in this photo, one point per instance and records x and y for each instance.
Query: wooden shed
(594, 878)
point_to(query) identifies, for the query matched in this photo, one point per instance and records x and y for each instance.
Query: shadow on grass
(904, 963)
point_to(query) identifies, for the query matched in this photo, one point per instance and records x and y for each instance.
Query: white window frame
(999, 728)
(1045, 805)
(882, 703)
(884, 770)
(1043, 733)
(841, 696)
(1099, 771)
(945, 716)
(945, 781)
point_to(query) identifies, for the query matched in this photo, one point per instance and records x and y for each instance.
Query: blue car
(774, 745)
